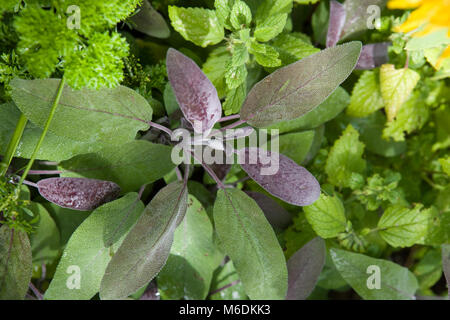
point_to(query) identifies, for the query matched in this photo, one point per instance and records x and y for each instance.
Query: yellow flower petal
(404, 4)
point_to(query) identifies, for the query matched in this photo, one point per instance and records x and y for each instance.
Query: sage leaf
(298, 88)
(78, 193)
(99, 236)
(195, 94)
(15, 263)
(282, 178)
(304, 268)
(226, 285)
(375, 279)
(150, 21)
(249, 240)
(278, 217)
(108, 116)
(146, 248)
(130, 165)
(336, 22)
(373, 55)
(193, 257)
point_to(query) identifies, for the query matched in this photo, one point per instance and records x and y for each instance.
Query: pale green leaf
(215, 68)
(235, 76)
(264, 54)
(292, 47)
(366, 95)
(235, 98)
(240, 15)
(270, 27)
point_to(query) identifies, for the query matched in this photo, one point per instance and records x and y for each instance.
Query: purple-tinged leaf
(446, 264)
(78, 193)
(373, 55)
(336, 23)
(150, 21)
(277, 216)
(298, 88)
(196, 95)
(304, 268)
(280, 176)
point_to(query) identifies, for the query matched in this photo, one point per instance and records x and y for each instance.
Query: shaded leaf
(78, 193)
(281, 176)
(90, 248)
(294, 90)
(304, 268)
(150, 21)
(226, 285)
(336, 22)
(373, 55)
(15, 264)
(278, 217)
(446, 264)
(195, 94)
(396, 282)
(102, 116)
(146, 248)
(249, 240)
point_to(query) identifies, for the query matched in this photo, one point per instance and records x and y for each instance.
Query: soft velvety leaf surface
(373, 55)
(282, 178)
(278, 217)
(396, 282)
(78, 193)
(103, 116)
(336, 22)
(193, 257)
(446, 264)
(15, 264)
(130, 165)
(249, 240)
(54, 148)
(304, 268)
(326, 216)
(195, 94)
(366, 95)
(296, 89)
(150, 21)
(403, 227)
(91, 246)
(45, 240)
(147, 246)
(345, 158)
(396, 87)
(198, 25)
(324, 112)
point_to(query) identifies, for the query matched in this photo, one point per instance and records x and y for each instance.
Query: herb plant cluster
(94, 94)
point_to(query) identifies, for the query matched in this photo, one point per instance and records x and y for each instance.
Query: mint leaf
(241, 15)
(396, 87)
(264, 54)
(292, 47)
(235, 76)
(345, 158)
(403, 227)
(215, 68)
(326, 216)
(366, 95)
(270, 27)
(198, 25)
(235, 98)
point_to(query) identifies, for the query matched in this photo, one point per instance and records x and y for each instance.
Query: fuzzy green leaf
(366, 95)
(270, 27)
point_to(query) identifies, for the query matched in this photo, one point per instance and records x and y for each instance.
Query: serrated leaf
(278, 217)
(235, 76)
(193, 257)
(235, 98)
(280, 176)
(402, 227)
(264, 54)
(196, 95)
(90, 248)
(78, 193)
(345, 158)
(247, 237)
(304, 268)
(15, 264)
(150, 21)
(366, 95)
(412, 115)
(432, 40)
(270, 27)
(324, 112)
(373, 55)
(198, 25)
(240, 15)
(396, 86)
(130, 165)
(107, 116)
(269, 8)
(240, 55)
(326, 216)
(292, 47)
(336, 22)
(146, 248)
(223, 10)
(292, 91)
(45, 240)
(396, 282)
